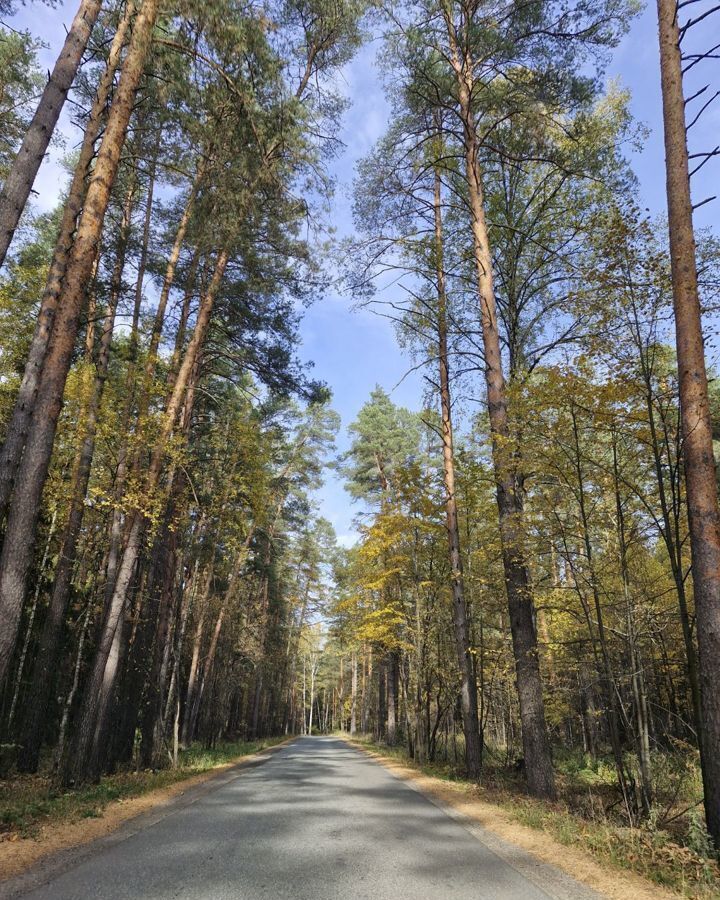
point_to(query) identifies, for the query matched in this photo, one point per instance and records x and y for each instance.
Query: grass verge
(30, 803)
(649, 852)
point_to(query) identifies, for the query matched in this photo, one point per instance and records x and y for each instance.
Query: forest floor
(38, 819)
(618, 862)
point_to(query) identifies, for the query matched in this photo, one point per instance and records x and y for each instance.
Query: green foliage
(385, 438)
(21, 286)
(20, 84)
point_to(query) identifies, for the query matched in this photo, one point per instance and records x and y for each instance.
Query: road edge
(166, 802)
(553, 873)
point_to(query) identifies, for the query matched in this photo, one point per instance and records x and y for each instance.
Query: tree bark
(700, 476)
(19, 182)
(382, 698)
(193, 676)
(637, 675)
(46, 659)
(30, 622)
(668, 531)
(536, 744)
(117, 520)
(614, 707)
(187, 601)
(67, 706)
(159, 622)
(17, 429)
(468, 685)
(169, 278)
(32, 473)
(100, 685)
(353, 694)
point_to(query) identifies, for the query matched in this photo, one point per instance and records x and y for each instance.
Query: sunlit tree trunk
(194, 673)
(18, 184)
(468, 685)
(536, 744)
(46, 660)
(700, 475)
(32, 473)
(100, 684)
(17, 429)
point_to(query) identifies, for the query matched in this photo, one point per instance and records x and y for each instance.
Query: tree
(699, 460)
(19, 534)
(19, 180)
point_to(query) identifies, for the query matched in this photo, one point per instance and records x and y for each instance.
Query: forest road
(317, 820)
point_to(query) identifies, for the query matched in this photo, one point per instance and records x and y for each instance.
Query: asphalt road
(317, 820)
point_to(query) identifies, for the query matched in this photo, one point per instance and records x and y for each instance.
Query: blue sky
(355, 350)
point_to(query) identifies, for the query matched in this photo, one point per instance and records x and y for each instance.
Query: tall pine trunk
(96, 700)
(392, 696)
(32, 473)
(194, 672)
(353, 693)
(468, 685)
(18, 184)
(17, 429)
(46, 659)
(700, 476)
(117, 520)
(536, 744)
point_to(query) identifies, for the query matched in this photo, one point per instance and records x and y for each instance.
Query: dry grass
(642, 863)
(37, 819)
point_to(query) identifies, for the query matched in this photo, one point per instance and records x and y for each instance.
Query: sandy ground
(611, 883)
(17, 854)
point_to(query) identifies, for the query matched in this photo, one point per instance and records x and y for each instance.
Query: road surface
(317, 820)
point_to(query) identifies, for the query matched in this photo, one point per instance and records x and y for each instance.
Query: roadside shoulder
(26, 863)
(542, 859)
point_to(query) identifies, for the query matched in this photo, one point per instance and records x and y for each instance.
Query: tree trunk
(313, 670)
(117, 520)
(186, 604)
(382, 699)
(195, 697)
(536, 744)
(30, 622)
(32, 473)
(46, 659)
(20, 179)
(674, 548)
(97, 695)
(152, 753)
(614, 707)
(365, 694)
(637, 677)
(194, 674)
(468, 685)
(700, 475)
(169, 278)
(392, 697)
(353, 694)
(67, 706)
(17, 429)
